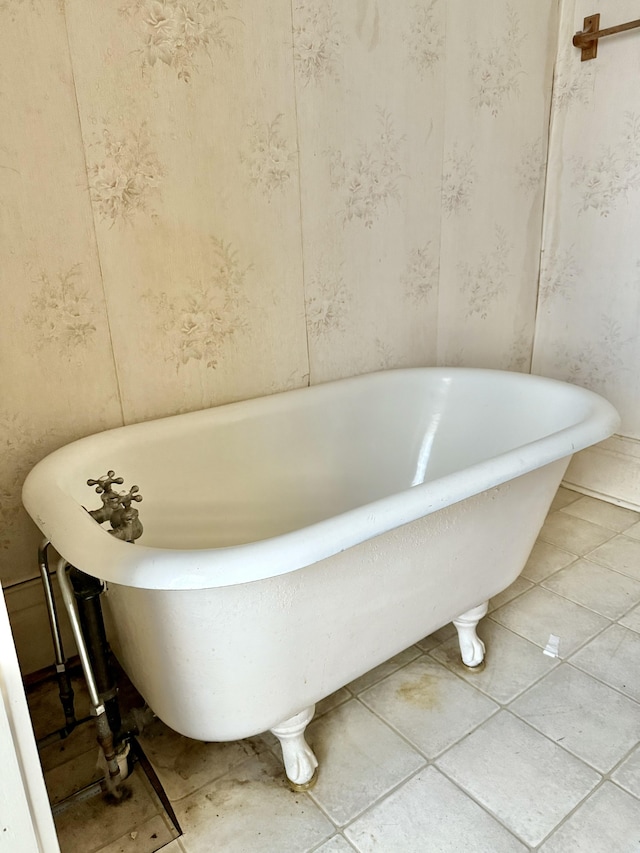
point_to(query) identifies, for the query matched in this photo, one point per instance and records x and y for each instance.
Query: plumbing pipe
(87, 591)
(105, 735)
(62, 674)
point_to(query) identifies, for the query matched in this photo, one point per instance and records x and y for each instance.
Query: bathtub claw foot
(471, 646)
(305, 786)
(300, 763)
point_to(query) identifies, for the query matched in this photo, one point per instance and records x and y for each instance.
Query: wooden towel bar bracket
(587, 38)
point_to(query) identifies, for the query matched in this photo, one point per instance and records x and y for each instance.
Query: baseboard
(609, 471)
(30, 625)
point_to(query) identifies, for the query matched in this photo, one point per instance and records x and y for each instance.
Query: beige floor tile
(183, 765)
(511, 665)
(573, 534)
(628, 774)
(360, 759)
(428, 705)
(337, 844)
(519, 586)
(439, 636)
(609, 820)
(88, 824)
(632, 619)
(620, 553)
(525, 780)
(539, 613)
(146, 838)
(591, 720)
(429, 813)
(545, 559)
(596, 587)
(251, 810)
(329, 703)
(386, 668)
(603, 513)
(564, 497)
(175, 846)
(633, 531)
(613, 658)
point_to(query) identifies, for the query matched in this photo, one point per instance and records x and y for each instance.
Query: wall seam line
(302, 241)
(546, 184)
(445, 78)
(93, 221)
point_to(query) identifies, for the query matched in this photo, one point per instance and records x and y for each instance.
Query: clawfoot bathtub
(293, 542)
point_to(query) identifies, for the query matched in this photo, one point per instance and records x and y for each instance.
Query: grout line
(613, 533)
(387, 674)
(596, 678)
(384, 796)
(319, 846)
(484, 807)
(524, 689)
(570, 813)
(613, 619)
(589, 559)
(577, 758)
(566, 748)
(415, 747)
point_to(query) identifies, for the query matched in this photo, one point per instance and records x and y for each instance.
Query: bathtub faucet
(117, 507)
(124, 521)
(110, 498)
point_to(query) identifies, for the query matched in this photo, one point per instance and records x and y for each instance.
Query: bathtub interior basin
(257, 487)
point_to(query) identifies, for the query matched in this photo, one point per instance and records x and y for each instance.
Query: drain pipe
(87, 591)
(62, 674)
(105, 735)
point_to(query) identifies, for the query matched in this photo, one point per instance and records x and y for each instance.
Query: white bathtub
(293, 542)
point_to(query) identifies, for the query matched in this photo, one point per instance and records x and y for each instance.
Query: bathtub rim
(150, 567)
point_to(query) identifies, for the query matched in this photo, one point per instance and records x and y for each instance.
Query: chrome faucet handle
(105, 482)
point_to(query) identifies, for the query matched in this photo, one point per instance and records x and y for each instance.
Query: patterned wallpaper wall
(590, 283)
(208, 200)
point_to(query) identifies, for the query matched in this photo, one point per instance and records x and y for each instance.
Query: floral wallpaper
(370, 167)
(613, 174)
(236, 198)
(368, 181)
(179, 33)
(486, 280)
(589, 299)
(59, 379)
(317, 41)
(187, 115)
(124, 173)
(499, 65)
(61, 311)
(424, 37)
(196, 325)
(267, 155)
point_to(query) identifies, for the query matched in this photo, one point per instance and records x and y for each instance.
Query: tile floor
(532, 753)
